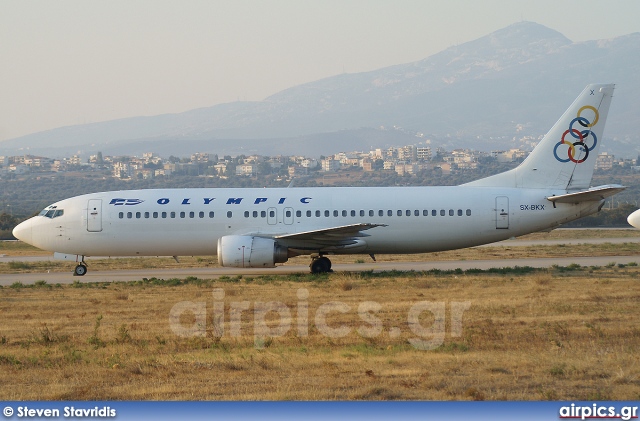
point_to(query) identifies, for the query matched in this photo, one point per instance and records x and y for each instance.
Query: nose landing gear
(80, 269)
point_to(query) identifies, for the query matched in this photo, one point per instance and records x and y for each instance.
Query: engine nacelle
(243, 251)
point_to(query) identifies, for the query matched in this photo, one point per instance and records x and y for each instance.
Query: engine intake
(243, 251)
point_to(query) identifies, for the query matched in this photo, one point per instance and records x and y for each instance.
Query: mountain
(481, 94)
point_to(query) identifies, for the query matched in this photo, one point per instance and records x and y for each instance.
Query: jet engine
(243, 251)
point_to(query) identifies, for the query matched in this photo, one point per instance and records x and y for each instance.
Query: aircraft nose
(24, 231)
(634, 219)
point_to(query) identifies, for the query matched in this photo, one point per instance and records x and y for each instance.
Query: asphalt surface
(212, 273)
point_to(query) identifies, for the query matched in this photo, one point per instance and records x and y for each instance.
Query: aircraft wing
(594, 194)
(334, 237)
(334, 233)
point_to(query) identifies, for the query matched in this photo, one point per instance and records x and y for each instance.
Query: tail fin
(566, 156)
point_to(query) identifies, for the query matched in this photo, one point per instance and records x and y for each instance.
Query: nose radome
(634, 219)
(23, 231)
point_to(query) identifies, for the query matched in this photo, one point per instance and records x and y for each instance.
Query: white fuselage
(175, 222)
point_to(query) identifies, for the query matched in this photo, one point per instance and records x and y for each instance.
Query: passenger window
(263, 214)
(389, 213)
(146, 215)
(211, 214)
(172, 214)
(335, 213)
(468, 212)
(201, 214)
(434, 213)
(399, 213)
(451, 212)
(408, 212)
(138, 215)
(459, 212)
(317, 214)
(246, 214)
(371, 213)
(442, 212)
(155, 214)
(182, 214)
(255, 214)
(327, 214)
(129, 215)
(425, 213)
(229, 214)
(164, 214)
(121, 215)
(272, 214)
(308, 214)
(287, 214)
(380, 212)
(192, 214)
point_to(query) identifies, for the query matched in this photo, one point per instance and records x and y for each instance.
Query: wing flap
(594, 194)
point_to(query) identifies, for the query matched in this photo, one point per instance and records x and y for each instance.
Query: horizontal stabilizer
(594, 194)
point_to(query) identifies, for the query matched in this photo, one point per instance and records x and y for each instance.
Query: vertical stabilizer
(565, 158)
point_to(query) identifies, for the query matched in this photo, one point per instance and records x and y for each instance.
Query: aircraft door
(272, 216)
(94, 215)
(288, 216)
(502, 212)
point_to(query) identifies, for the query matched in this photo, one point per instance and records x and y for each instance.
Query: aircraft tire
(320, 265)
(327, 263)
(80, 270)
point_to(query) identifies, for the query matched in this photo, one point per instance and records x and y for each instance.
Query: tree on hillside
(7, 222)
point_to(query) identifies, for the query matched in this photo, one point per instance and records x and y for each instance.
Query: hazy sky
(69, 62)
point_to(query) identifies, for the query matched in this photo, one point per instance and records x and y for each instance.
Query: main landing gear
(81, 269)
(320, 264)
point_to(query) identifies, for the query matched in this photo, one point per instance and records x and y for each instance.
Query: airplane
(634, 219)
(260, 228)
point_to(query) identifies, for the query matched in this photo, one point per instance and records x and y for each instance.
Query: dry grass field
(569, 333)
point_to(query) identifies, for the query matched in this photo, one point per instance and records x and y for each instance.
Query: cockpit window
(51, 212)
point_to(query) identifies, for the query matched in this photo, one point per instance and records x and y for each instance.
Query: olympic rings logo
(581, 136)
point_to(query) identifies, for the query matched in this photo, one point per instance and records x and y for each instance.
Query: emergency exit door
(502, 212)
(272, 216)
(94, 215)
